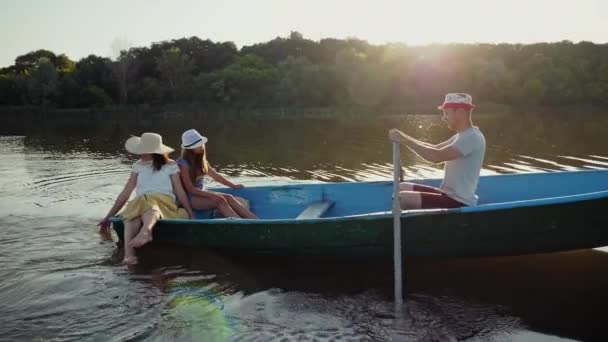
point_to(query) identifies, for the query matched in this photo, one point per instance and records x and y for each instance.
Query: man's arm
(440, 145)
(433, 153)
(424, 143)
(445, 143)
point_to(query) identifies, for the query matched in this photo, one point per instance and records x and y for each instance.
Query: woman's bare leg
(132, 227)
(149, 219)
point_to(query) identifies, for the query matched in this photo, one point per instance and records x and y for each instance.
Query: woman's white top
(150, 181)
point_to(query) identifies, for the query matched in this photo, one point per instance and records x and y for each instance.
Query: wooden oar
(397, 227)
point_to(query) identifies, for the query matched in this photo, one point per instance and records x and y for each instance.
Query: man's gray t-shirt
(462, 174)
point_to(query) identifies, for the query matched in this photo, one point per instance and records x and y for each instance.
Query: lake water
(61, 281)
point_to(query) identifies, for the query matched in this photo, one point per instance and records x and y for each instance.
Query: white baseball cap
(192, 139)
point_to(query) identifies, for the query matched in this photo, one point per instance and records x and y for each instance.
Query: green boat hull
(501, 231)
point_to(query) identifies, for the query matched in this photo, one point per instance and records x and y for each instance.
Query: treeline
(297, 72)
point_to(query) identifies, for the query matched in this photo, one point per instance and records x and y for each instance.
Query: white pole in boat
(397, 226)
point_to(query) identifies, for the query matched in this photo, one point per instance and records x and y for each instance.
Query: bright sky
(78, 28)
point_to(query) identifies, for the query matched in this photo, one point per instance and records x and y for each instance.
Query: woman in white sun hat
(194, 167)
(156, 180)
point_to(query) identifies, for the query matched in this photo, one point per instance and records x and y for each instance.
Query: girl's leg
(219, 203)
(239, 208)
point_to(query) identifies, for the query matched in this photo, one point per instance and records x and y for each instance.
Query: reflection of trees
(338, 146)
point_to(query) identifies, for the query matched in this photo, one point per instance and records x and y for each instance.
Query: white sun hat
(147, 143)
(457, 100)
(192, 139)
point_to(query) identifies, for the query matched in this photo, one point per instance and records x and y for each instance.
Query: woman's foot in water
(141, 239)
(130, 260)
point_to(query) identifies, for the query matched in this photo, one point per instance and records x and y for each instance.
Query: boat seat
(315, 210)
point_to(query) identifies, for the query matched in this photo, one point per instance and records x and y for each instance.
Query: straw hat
(148, 143)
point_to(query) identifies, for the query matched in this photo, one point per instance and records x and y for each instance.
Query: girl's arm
(120, 201)
(181, 194)
(222, 180)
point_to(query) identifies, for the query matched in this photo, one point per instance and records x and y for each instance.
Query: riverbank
(18, 118)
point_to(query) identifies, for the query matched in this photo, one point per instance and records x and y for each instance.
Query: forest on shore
(295, 72)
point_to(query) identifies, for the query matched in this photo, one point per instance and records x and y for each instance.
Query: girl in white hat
(194, 167)
(156, 179)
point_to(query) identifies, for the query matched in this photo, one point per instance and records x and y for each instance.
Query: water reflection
(249, 298)
(345, 150)
(480, 300)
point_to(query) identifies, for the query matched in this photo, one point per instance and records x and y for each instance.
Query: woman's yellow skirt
(163, 204)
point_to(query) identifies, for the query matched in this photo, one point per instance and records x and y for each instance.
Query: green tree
(150, 91)
(30, 60)
(280, 48)
(247, 83)
(95, 70)
(69, 92)
(124, 70)
(532, 92)
(9, 93)
(43, 85)
(300, 83)
(96, 97)
(176, 71)
(64, 65)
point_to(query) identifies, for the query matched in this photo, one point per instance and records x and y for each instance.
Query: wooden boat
(517, 214)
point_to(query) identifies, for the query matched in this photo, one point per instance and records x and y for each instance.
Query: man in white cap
(462, 154)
